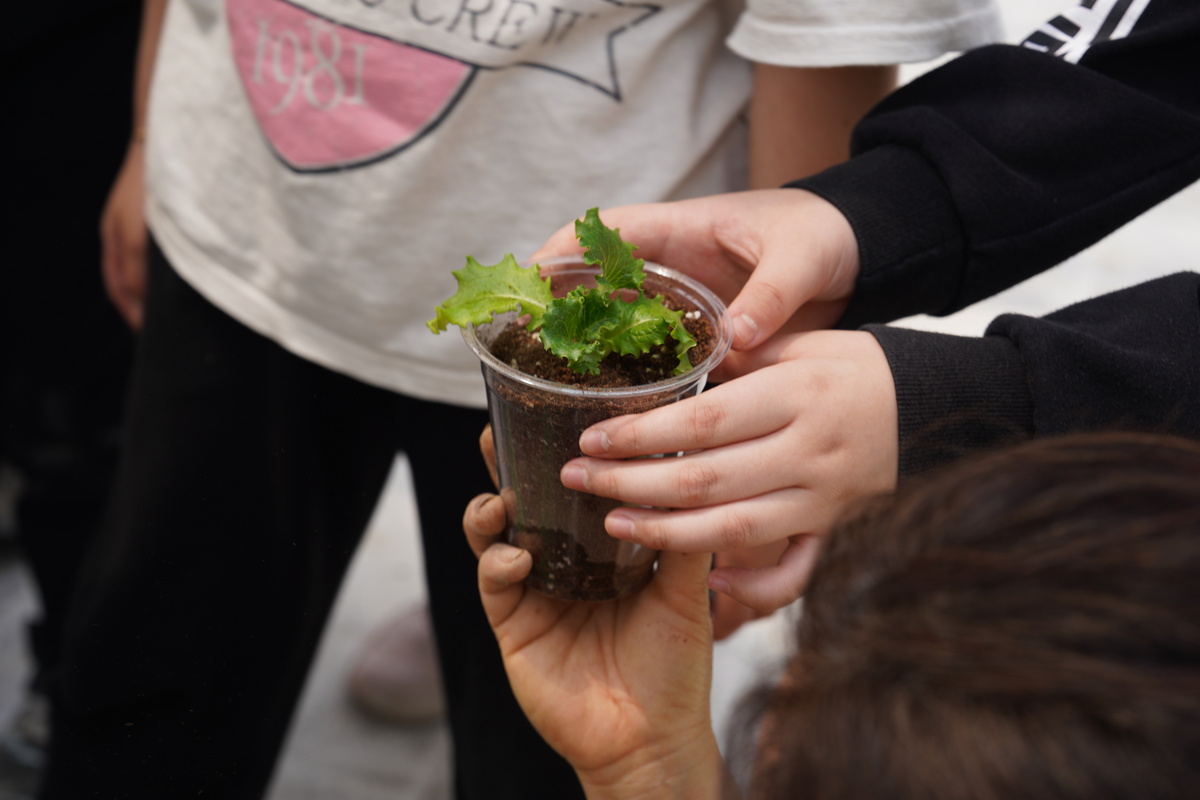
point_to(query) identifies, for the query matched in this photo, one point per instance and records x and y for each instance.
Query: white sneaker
(395, 677)
(23, 749)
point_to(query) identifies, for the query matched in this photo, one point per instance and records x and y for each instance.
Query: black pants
(65, 354)
(248, 477)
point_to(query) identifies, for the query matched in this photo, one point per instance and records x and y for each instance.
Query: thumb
(768, 589)
(775, 288)
(782, 294)
(502, 570)
(803, 259)
(682, 579)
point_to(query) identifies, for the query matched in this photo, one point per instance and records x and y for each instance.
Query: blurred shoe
(23, 749)
(17, 781)
(395, 677)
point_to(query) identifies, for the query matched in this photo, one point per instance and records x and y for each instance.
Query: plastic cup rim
(724, 330)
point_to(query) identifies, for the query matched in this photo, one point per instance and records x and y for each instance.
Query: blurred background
(334, 751)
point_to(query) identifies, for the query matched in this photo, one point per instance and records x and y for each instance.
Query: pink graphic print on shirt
(327, 96)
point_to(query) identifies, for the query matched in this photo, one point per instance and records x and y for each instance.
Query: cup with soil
(539, 407)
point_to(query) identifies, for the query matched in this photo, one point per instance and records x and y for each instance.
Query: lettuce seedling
(587, 324)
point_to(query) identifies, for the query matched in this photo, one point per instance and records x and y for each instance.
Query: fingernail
(511, 554)
(573, 476)
(619, 526)
(718, 584)
(745, 329)
(595, 441)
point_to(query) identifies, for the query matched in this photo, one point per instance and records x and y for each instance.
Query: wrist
(955, 395)
(910, 245)
(691, 770)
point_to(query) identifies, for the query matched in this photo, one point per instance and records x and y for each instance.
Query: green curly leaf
(574, 328)
(683, 343)
(484, 291)
(587, 324)
(606, 249)
(644, 323)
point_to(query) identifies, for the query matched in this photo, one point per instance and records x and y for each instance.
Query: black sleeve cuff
(956, 395)
(910, 240)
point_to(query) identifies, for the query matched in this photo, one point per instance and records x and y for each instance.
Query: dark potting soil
(574, 558)
(563, 567)
(523, 350)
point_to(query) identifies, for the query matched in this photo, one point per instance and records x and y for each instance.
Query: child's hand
(729, 615)
(782, 258)
(124, 237)
(620, 689)
(775, 455)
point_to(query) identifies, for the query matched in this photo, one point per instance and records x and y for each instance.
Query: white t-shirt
(316, 168)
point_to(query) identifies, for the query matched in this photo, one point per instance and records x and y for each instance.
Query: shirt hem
(252, 308)
(789, 45)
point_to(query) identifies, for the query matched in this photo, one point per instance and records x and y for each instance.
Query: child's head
(1026, 625)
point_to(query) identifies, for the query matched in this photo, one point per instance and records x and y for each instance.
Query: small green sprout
(587, 324)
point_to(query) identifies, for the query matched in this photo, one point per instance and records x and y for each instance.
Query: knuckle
(739, 531)
(652, 535)
(598, 480)
(609, 480)
(706, 421)
(697, 483)
(648, 531)
(771, 298)
(624, 435)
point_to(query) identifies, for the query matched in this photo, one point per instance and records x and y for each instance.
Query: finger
(753, 522)
(703, 478)
(780, 347)
(792, 264)
(124, 271)
(110, 267)
(484, 522)
(765, 556)
(771, 588)
(731, 412)
(134, 312)
(729, 615)
(133, 273)
(487, 446)
(773, 293)
(502, 570)
(682, 579)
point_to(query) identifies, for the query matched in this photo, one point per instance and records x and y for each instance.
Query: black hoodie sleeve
(1127, 360)
(1009, 159)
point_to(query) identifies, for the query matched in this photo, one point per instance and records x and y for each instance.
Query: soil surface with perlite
(524, 350)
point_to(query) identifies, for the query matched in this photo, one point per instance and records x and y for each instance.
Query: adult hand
(781, 258)
(620, 689)
(774, 455)
(124, 238)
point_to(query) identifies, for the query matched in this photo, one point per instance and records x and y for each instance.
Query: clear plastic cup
(536, 425)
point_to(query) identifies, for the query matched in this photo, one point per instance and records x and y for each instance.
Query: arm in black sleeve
(1007, 160)
(1128, 360)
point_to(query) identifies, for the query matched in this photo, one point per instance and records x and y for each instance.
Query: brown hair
(1026, 625)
